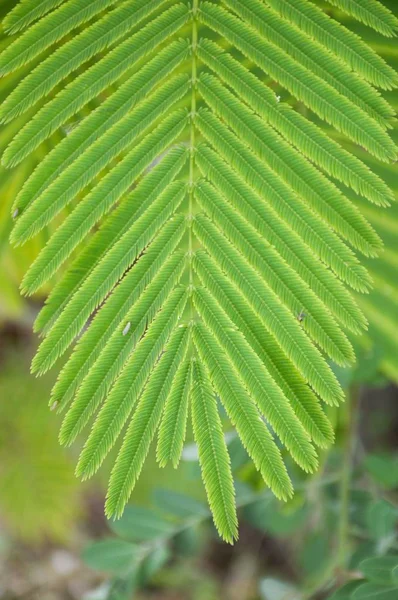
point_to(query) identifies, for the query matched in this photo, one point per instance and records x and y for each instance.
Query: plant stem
(195, 4)
(192, 127)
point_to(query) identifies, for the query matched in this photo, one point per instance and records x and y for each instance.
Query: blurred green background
(337, 534)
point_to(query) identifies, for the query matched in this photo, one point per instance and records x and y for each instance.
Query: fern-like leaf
(25, 13)
(304, 402)
(372, 13)
(49, 30)
(262, 388)
(202, 232)
(338, 39)
(243, 413)
(213, 454)
(113, 229)
(174, 421)
(128, 387)
(328, 247)
(276, 318)
(298, 131)
(315, 93)
(144, 423)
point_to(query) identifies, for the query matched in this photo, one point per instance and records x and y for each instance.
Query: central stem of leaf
(195, 5)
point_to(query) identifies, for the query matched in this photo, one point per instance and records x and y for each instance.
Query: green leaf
(270, 516)
(179, 505)
(382, 518)
(111, 555)
(146, 418)
(213, 455)
(141, 524)
(154, 562)
(383, 468)
(372, 591)
(382, 569)
(372, 13)
(194, 221)
(314, 553)
(345, 593)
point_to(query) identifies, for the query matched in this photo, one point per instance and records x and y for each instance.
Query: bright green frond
(213, 455)
(371, 12)
(26, 12)
(243, 413)
(299, 174)
(315, 93)
(111, 188)
(129, 385)
(174, 421)
(278, 233)
(98, 77)
(97, 157)
(337, 39)
(86, 133)
(104, 365)
(106, 274)
(144, 423)
(202, 244)
(321, 239)
(268, 397)
(117, 307)
(314, 57)
(284, 282)
(49, 30)
(309, 139)
(304, 402)
(130, 209)
(279, 321)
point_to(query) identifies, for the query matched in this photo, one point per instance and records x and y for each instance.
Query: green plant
(171, 534)
(228, 263)
(377, 578)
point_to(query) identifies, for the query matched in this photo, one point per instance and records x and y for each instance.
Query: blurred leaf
(140, 524)
(179, 505)
(360, 503)
(345, 593)
(383, 469)
(275, 518)
(380, 569)
(122, 589)
(363, 551)
(381, 519)
(110, 555)
(314, 553)
(153, 563)
(189, 541)
(368, 364)
(373, 591)
(273, 589)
